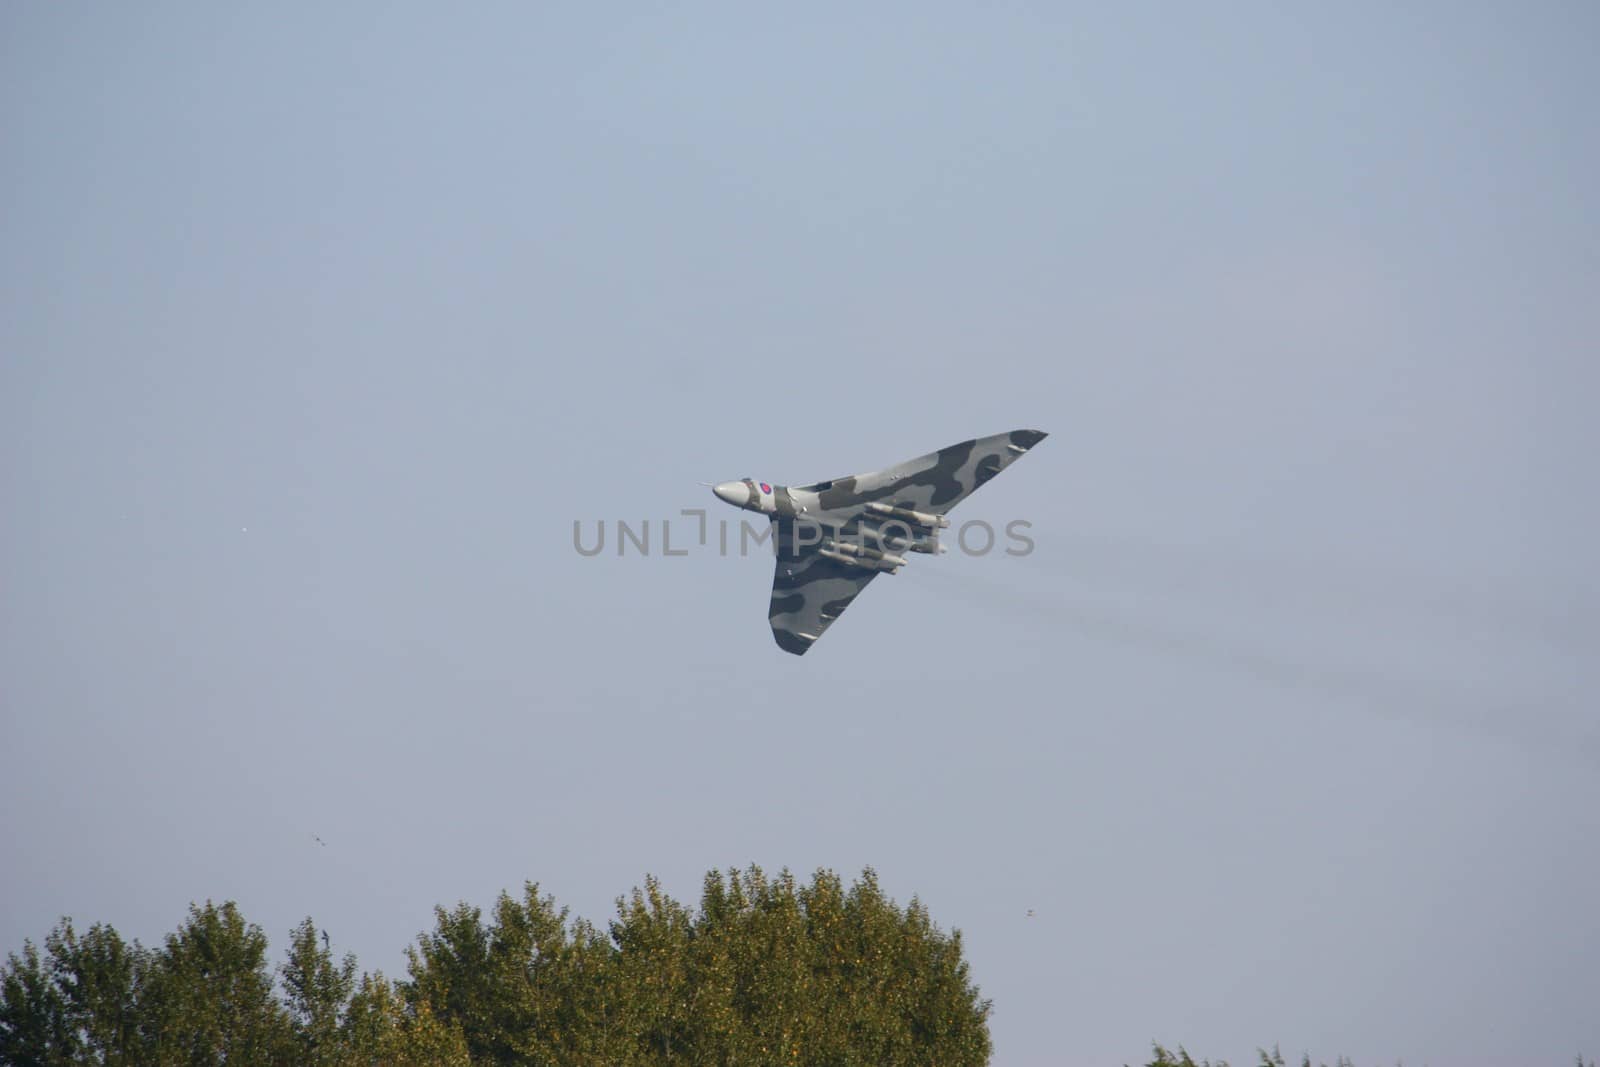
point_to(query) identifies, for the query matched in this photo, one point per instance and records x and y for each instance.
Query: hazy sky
(320, 325)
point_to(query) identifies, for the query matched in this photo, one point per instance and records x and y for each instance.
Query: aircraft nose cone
(735, 493)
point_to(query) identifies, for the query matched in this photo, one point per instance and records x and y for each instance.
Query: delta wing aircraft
(832, 538)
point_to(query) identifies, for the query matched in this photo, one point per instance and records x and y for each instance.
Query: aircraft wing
(934, 483)
(809, 590)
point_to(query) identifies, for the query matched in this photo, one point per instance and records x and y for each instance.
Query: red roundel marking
(765, 488)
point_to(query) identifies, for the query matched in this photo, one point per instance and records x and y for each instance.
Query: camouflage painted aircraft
(832, 538)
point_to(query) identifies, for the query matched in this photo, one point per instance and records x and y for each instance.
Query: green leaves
(767, 971)
(316, 993)
(98, 975)
(35, 1027)
(208, 995)
(380, 1029)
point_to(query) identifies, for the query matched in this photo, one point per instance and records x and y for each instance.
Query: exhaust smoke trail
(1379, 692)
(1568, 617)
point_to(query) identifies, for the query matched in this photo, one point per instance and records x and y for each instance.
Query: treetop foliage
(1165, 1057)
(766, 971)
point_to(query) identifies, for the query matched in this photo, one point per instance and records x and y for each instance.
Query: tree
(34, 1030)
(1164, 1057)
(651, 934)
(767, 971)
(380, 1030)
(505, 983)
(317, 994)
(98, 975)
(1273, 1057)
(78, 1003)
(208, 995)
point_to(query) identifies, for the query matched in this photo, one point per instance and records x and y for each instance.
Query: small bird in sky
(1030, 913)
(319, 840)
(326, 947)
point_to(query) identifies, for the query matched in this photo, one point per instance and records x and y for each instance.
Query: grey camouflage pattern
(829, 544)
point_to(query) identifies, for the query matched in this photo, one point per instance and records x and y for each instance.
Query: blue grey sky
(320, 325)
